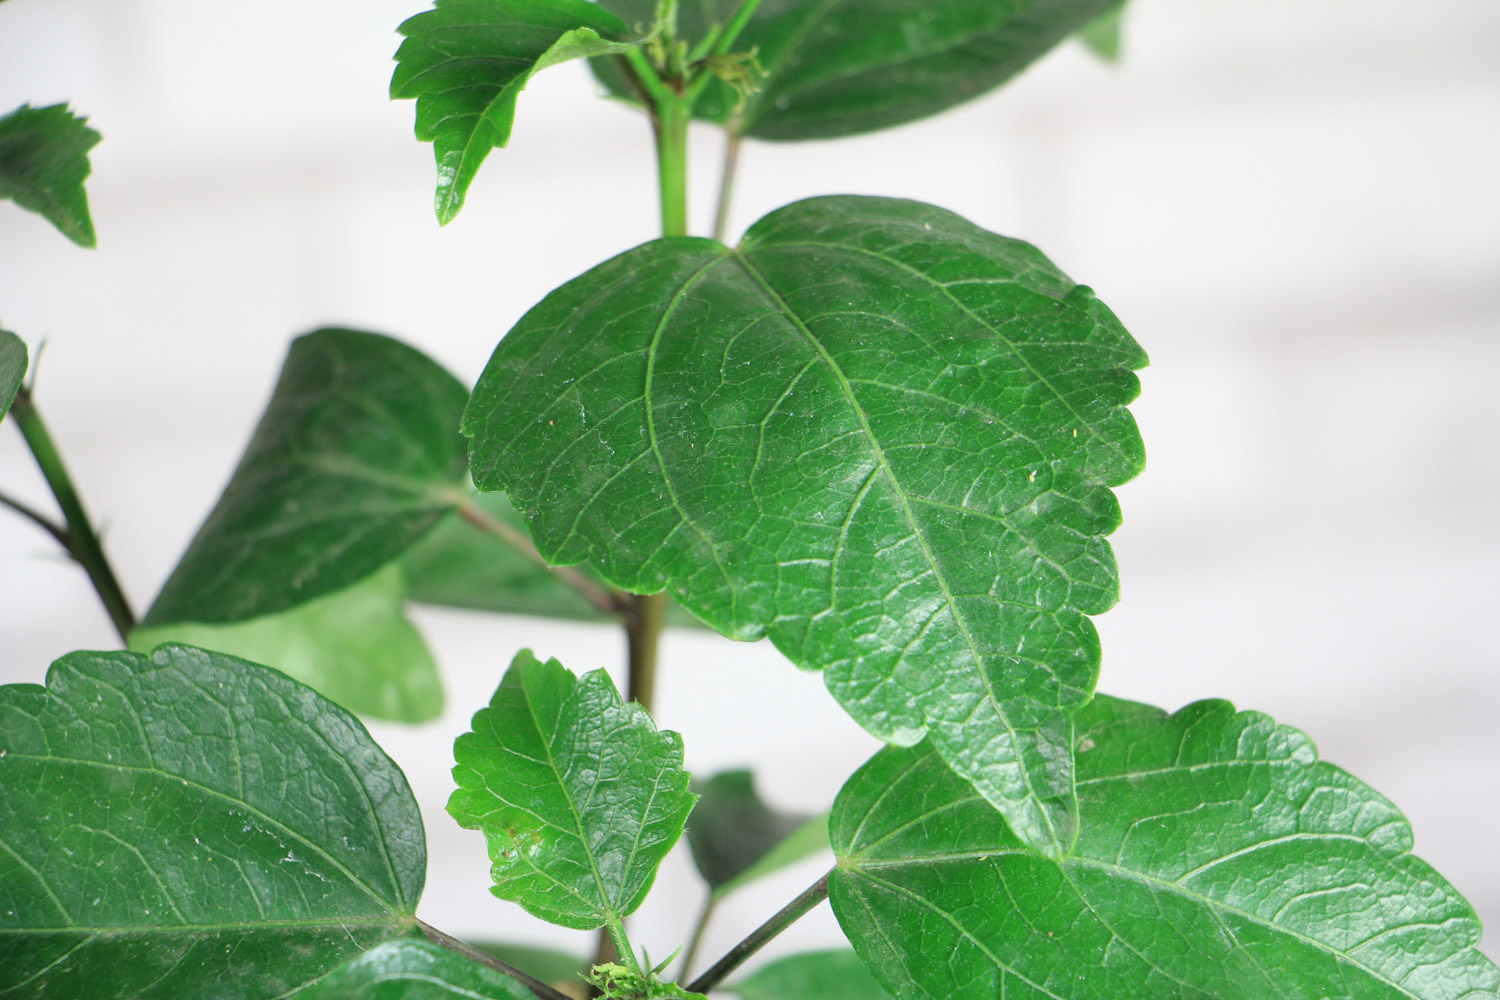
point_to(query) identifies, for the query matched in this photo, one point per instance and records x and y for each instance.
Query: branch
(44, 522)
(452, 943)
(814, 894)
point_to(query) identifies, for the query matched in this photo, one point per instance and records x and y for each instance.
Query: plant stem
(41, 520)
(81, 541)
(452, 943)
(726, 180)
(815, 894)
(671, 122)
(642, 637)
(607, 601)
(625, 953)
(697, 938)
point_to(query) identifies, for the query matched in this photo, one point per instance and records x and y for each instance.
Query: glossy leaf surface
(44, 161)
(815, 975)
(840, 67)
(466, 61)
(190, 818)
(12, 368)
(736, 838)
(356, 458)
(1218, 858)
(577, 793)
(354, 646)
(874, 432)
(415, 969)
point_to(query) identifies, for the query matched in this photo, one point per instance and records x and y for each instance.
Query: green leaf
(576, 792)
(187, 819)
(814, 975)
(1219, 858)
(874, 432)
(736, 838)
(354, 646)
(415, 969)
(466, 61)
(13, 363)
(44, 160)
(1103, 35)
(459, 567)
(841, 67)
(356, 458)
(550, 966)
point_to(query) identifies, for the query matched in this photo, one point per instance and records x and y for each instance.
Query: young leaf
(12, 368)
(190, 818)
(875, 432)
(840, 67)
(1219, 858)
(354, 646)
(814, 975)
(466, 61)
(356, 458)
(576, 792)
(736, 838)
(415, 969)
(44, 160)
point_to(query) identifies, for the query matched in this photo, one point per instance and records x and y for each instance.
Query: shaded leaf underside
(191, 818)
(1218, 858)
(876, 433)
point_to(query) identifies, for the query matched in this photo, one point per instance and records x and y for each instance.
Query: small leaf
(1103, 35)
(415, 969)
(815, 975)
(841, 67)
(13, 363)
(576, 792)
(736, 838)
(354, 646)
(466, 61)
(44, 160)
(188, 819)
(1219, 858)
(356, 458)
(874, 432)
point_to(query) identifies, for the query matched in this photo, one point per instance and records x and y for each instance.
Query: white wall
(1291, 203)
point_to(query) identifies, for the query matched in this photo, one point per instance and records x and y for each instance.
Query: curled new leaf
(189, 818)
(874, 432)
(1218, 858)
(577, 793)
(44, 160)
(840, 67)
(466, 61)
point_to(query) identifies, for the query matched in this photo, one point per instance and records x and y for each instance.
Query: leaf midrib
(884, 465)
(397, 921)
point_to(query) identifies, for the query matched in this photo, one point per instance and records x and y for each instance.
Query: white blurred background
(1291, 203)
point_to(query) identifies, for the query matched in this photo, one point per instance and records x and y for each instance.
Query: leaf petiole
(756, 939)
(467, 950)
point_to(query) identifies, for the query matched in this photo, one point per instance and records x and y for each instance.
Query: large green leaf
(12, 368)
(736, 838)
(189, 825)
(840, 67)
(556, 968)
(354, 646)
(356, 458)
(44, 160)
(577, 793)
(415, 969)
(875, 432)
(814, 975)
(459, 567)
(466, 61)
(1219, 858)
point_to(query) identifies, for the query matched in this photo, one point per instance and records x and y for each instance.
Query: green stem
(698, 929)
(725, 39)
(671, 124)
(452, 943)
(642, 639)
(626, 953)
(812, 896)
(82, 542)
(726, 181)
